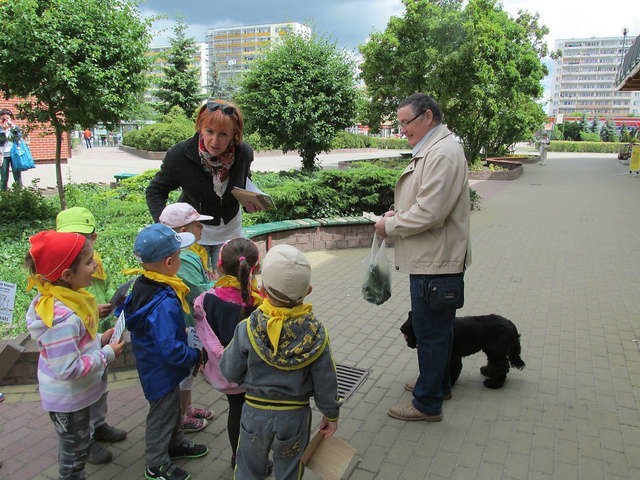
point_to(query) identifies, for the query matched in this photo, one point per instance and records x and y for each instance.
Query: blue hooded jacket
(158, 337)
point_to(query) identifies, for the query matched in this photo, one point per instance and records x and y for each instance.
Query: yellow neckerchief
(100, 274)
(202, 253)
(277, 316)
(231, 281)
(174, 282)
(81, 302)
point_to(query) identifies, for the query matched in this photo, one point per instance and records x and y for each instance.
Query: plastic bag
(376, 288)
(21, 158)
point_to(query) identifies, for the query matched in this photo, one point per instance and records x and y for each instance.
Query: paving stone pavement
(557, 251)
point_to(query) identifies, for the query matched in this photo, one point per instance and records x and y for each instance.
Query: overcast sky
(350, 22)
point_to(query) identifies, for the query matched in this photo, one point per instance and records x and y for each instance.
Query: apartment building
(584, 78)
(232, 50)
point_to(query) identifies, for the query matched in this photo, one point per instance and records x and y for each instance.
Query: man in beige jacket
(430, 232)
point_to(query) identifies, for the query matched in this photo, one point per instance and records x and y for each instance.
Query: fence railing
(631, 59)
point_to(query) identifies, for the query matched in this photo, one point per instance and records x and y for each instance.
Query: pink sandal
(191, 424)
(203, 413)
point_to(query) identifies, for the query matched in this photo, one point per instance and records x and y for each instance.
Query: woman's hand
(252, 207)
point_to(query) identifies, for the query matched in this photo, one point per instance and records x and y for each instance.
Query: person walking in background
(81, 220)
(280, 355)
(430, 231)
(9, 133)
(87, 137)
(182, 217)
(218, 311)
(63, 321)
(206, 167)
(154, 314)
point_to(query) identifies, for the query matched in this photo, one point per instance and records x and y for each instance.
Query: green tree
(300, 95)
(572, 131)
(482, 66)
(180, 81)
(608, 132)
(73, 62)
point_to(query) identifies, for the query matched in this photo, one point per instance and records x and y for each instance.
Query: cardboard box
(331, 458)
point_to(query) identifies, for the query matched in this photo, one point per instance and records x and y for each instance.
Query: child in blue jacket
(154, 313)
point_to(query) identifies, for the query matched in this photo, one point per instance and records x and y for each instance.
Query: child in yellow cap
(80, 220)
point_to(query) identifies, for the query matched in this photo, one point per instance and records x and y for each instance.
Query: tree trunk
(59, 133)
(308, 160)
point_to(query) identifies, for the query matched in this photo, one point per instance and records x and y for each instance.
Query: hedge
(590, 147)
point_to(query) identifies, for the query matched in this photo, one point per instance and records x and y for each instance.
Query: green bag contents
(376, 288)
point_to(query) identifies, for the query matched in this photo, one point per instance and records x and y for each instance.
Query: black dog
(496, 336)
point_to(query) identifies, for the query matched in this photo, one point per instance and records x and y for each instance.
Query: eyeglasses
(223, 107)
(404, 124)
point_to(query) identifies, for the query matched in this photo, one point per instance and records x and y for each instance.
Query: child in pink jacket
(217, 312)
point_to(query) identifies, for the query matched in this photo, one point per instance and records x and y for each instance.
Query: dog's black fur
(495, 335)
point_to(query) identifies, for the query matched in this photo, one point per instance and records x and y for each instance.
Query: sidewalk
(557, 251)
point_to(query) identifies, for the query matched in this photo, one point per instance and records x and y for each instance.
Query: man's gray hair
(421, 102)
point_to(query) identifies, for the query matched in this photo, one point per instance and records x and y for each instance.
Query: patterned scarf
(174, 282)
(81, 302)
(100, 274)
(218, 167)
(278, 315)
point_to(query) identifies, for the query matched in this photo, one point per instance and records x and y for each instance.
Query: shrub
(589, 137)
(25, 204)
(159, 137)
(591, 147)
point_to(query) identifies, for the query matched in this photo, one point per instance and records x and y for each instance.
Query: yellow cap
(76, 219)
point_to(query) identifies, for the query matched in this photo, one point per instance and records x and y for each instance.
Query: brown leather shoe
(410, 413)
(410, 387)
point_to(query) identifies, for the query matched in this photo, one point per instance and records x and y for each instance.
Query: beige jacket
(430, 228)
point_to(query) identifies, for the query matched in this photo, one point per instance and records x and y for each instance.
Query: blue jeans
(434, 335)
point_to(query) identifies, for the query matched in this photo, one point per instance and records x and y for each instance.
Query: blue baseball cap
(157, 242)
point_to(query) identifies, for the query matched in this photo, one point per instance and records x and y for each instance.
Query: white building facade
(232, 50)
(585, 76)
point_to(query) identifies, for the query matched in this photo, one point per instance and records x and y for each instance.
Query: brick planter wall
(513, 170)
(149, 155)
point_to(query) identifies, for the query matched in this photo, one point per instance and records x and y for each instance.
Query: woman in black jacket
(206, 167)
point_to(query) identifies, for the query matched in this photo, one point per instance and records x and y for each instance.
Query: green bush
(346, 139)
(25, 204)
(590, 137)
(159, 137)
(591, 147)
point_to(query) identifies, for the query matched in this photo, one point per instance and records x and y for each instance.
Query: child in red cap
(63, 320)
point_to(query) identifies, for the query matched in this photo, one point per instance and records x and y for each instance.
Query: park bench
(122, 176)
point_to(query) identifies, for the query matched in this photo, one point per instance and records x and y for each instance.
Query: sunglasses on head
(223, 107)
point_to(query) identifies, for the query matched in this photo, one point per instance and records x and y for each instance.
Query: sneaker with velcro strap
(166, 472)
(188, 449)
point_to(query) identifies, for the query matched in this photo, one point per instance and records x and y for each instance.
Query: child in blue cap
(154, 314)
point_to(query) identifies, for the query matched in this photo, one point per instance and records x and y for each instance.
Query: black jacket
(181, 168)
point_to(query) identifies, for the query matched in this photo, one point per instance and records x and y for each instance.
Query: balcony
(628, 78)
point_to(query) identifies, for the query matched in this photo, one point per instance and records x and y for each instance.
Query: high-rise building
(232, 50)
(584, 79)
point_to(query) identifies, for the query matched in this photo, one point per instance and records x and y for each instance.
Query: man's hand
(328, 428)
(379, 227)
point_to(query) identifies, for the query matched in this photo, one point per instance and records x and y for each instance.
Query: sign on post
(7, 301)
